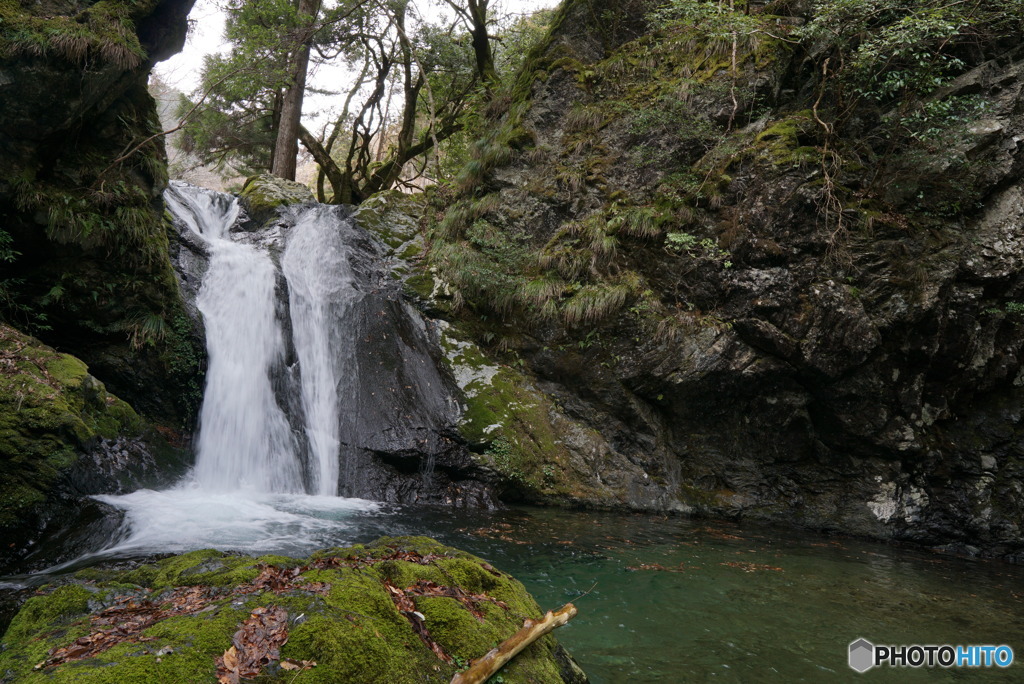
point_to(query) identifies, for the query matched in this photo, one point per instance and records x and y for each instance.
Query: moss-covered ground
(342, 615)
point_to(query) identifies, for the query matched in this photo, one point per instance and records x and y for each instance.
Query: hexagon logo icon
(862, 655)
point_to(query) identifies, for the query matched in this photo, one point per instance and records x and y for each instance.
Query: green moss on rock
(782, 142)
(393, 217)
(52, 411)
(518, 431)
(40, 612)
(346, 621)
(263, 193)
(103, 32)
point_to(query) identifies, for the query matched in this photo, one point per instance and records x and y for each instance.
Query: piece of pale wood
(483, 668)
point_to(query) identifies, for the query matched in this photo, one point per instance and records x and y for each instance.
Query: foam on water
(192, 517)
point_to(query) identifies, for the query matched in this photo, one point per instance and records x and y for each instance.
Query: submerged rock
(402, 609)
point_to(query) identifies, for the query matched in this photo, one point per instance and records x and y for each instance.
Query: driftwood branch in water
(484, 668)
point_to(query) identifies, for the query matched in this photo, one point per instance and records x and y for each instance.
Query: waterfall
(320, 380)
(244, 436)
(321, 295)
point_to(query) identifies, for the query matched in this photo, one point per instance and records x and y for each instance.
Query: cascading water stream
(306, 394)
(244, 437)
(321, 293)
(248, 490)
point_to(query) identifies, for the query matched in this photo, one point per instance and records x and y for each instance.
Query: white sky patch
(205, 37)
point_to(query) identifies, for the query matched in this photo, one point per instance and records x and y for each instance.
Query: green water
(672, 600)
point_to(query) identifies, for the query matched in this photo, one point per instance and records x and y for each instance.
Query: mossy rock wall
(517, 437)
(63, 437)
(536, 449)
(91, 273)
(353, 612)
(765, 304)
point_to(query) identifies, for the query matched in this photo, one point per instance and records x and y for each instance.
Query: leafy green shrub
(886, 49)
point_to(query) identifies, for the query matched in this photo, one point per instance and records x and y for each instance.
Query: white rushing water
(192, 517)
(245, 440)
(320, 294)
(247, 490)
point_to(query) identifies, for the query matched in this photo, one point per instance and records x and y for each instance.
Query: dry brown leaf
(231, 658)
(292, 665)
(257, 643)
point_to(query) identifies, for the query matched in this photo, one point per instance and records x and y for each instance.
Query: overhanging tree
(431, 61)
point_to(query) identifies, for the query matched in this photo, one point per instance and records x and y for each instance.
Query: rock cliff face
(84, 241)
(688, 267)
(752, 305)
(80, 198)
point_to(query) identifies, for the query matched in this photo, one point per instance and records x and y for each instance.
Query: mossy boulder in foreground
(404, 609)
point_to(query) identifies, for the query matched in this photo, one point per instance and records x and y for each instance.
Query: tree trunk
(286, 148)
(474, 12)
(482, 42)
(275, 126)
(328, 167)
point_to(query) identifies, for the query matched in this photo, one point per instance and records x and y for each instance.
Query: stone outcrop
(85, 250)
(80, 195)
(62, 438)
(646, 231)
(263, 194)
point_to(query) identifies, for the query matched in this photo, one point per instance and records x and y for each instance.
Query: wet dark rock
(66, 114)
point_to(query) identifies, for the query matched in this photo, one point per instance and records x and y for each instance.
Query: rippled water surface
(669, 599)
